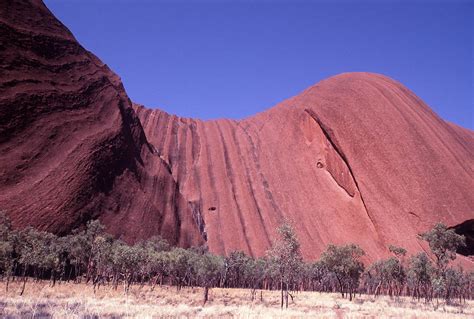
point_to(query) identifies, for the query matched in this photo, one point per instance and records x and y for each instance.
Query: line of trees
(91, 255)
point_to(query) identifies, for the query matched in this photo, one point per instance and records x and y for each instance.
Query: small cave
(466, 228)
(319, 164)
(212, 208)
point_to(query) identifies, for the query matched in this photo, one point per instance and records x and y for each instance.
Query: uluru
(355, 158)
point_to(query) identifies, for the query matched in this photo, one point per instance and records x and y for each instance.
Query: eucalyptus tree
(388, 275)
(344, 262)
(37, 253)
(399, 252)
(157, 266)
(125, 262)
(154, 265)
(285, 258)
(8, 242)
(100, 262)
(254, 272)
(58, 258)
(235, 265)
(179, 266)
(81, 245)
(443, 243)
(209, 270)
(419, 275)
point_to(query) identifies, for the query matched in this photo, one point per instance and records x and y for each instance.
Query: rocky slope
(71, 146)
(355, 158)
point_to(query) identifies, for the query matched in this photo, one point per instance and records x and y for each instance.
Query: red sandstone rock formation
(71, 146)
(355, 158)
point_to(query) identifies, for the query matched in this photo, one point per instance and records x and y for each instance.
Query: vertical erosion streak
(256, 160)
(173, 154)
(230, 177)
(176, 212)
(327, 133)
(250, 186)
(160, 130)
(181, 160)
(175, 148)
(196, 142)
(196, 156)
(212, 179)
(191, 173)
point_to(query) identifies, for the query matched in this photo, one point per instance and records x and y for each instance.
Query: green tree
(8, 239)
(397, 251)
(58, 258)
(344, 263)
(419, 275)
(157, 266)
(155, 244)
(235, 265)
(100, 262)
(37, 253)
(388, 275)
(125, 262)
(443, 243)
(155, 259)
(179, 266)
(209, 270)
(319, 275)
(81, 246)
(286, 258)
(254, 274)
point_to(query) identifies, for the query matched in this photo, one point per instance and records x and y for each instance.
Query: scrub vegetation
(89, 263)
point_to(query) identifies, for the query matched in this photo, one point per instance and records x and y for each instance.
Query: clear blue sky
(214, 59)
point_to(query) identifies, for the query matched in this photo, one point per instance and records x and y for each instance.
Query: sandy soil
(79, 301)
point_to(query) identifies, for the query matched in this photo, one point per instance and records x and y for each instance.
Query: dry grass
(79, 301)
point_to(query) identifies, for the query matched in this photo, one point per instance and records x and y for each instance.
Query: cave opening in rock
(466, 228)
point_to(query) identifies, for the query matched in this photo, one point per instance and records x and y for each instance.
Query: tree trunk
(340, 286)
(154, 283)
(24, 284)
(377, 290)
(206, 294)
(281, 285)
(54, 278)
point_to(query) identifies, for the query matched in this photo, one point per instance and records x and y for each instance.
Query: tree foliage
(443, 243)
(344, 262)
(286, 260)
(91, 255)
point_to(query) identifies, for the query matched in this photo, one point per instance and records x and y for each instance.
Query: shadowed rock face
(71, 146)
(355, 158)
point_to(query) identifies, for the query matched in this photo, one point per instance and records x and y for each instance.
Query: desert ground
(68, 300)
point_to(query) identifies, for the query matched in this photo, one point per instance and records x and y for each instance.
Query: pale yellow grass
(78, 301)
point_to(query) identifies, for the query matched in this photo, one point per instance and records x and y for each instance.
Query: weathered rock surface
(355, 158)
(71, 146)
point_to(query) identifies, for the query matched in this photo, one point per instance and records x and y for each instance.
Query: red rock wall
(71, 146)
(356, 158)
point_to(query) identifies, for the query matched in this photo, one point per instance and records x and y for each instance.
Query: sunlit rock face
(355, 158)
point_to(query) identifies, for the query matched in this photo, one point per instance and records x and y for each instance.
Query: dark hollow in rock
(466, 229)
